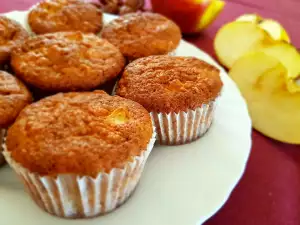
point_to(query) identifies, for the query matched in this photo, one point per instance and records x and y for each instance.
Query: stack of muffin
(79, 151)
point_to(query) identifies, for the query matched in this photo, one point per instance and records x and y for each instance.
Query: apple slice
(275, 29)
(272, 27)
(274, 110)
(289, 56)
(254, 18)
(236, 39)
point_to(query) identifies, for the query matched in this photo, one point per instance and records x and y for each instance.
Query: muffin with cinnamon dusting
(11, 34)
(67, 61)
(74, 146)
(179, 92)
(142, 34)
(14, 96)
(65, 15)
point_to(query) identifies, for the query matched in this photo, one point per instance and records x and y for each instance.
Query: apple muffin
(179, 92)
(80, 154)
(14, 96)
(66, 61)
(142, 34)
(12, 34)
(65, 15)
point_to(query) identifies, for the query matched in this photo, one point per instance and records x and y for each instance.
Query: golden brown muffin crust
(170, 84)
(65, 15)
(79, 133)
(67, 61)
(11, 34)
(142, 34)
(14, 96)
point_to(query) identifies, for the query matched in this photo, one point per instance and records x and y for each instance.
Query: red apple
(192, 16)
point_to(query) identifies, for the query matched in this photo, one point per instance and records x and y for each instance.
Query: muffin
(142, 34)
(80, 154)
(14, 96)
(65, 15)
(66, 61)
(12, 34)
(179, 92)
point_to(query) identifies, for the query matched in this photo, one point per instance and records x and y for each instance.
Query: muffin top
(170, 84)
(81, 133)
(11, 34)
(14, 96)
(142, 34)
(65, 15)
(66, 61)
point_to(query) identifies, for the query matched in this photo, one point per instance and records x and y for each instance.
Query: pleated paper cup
(73, 196)
(2, 160)
(183, 127)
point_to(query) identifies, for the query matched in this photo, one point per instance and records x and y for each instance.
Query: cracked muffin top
(82, 133)
(14, 96)
(170, 84)
(11, 34)
(65, 15)
(66, 61)
(142, 34)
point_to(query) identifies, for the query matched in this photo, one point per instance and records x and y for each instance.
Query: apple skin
(192, 16)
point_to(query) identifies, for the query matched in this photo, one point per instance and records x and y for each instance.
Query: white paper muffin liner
(183, 127)
(2, 160)
(73, 196)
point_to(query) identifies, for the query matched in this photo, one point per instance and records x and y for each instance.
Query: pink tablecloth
(269, 192)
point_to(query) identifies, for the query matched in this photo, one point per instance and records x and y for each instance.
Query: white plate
(181, 185)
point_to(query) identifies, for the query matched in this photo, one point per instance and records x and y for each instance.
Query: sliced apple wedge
(254, 18)
(289, 56)
(275, 29)
(272, 27)
(236, 39)
(274, 110)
